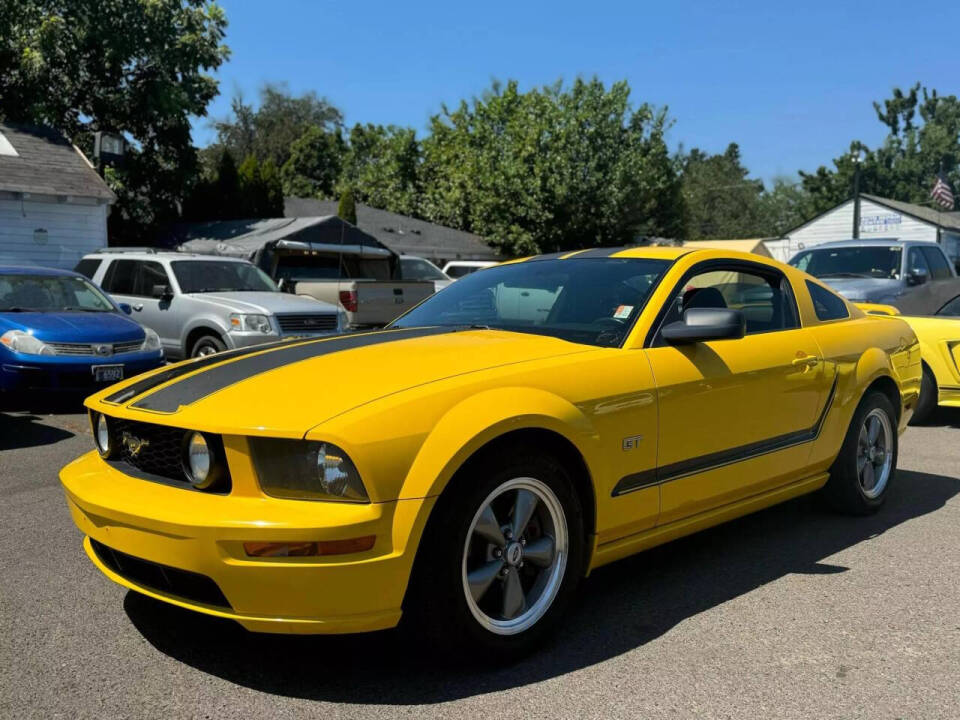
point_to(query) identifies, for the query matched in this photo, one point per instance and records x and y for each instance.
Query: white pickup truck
(359, 277)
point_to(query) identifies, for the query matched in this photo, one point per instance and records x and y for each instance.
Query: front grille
(162, 578)
(160, 453)
(87, 349)
(307, 323)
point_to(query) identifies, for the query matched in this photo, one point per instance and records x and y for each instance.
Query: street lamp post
(857, 162)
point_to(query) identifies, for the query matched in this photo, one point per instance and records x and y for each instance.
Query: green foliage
(381, 166)
(250, 191)
(923, 134)
(552, 168)
(721, 202)
(269, 131)
(313, 168)
(140, 67)
(347, 207)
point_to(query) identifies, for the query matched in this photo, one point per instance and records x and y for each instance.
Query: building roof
(756, 246)
(947, 220)
(247, 238)
(402, 234)
(42, 161)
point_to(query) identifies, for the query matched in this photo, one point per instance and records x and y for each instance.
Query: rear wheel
(207, 345)
(927, 401)
(501, 558)
(861, 475)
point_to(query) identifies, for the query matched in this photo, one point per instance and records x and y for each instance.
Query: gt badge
(629, 443)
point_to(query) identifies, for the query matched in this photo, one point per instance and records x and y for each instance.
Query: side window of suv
(939, 269)
(88, 267)
(134, 277)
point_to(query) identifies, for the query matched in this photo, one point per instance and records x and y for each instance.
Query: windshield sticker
(623, 312)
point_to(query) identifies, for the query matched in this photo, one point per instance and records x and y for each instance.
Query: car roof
(160, 255)
(35, 270)
(873, 242)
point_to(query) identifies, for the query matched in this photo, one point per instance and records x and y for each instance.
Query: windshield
(200, 276)
(51, 293)
(593, 300)
(417, 269)
(869, 262)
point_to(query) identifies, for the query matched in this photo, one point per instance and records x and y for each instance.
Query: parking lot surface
(791, 612)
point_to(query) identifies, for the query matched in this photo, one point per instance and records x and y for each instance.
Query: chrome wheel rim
(515, 556)
(875, 453)
(205, 350)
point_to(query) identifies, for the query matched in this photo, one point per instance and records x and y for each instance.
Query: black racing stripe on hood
(149, 383)
(196, 387)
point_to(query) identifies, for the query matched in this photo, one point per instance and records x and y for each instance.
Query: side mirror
(126, 308)
(162, 292)
(917, 276)
(705, 324)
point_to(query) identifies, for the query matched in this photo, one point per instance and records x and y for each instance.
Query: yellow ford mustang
(472, 462)
(939, 337)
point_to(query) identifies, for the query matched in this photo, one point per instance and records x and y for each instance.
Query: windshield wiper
(77, 308)
(17, 309)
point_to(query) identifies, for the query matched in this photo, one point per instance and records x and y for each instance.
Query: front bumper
(204, 534)
(55, 373)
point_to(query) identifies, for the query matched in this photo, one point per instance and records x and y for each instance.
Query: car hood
(863, 288)
(291, 387)
(265, 303)
(73, 327)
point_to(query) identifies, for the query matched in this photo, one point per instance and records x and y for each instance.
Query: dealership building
(879, 218)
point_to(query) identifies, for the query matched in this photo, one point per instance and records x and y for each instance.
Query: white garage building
(879, 218)
(53, 204)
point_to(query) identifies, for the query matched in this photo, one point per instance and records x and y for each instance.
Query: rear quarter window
(826, 304)
(88, 267)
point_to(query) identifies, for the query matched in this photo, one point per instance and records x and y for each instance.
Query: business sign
(884, 224)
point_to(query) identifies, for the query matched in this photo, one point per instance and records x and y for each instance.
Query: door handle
(806, 361)
(138, 307)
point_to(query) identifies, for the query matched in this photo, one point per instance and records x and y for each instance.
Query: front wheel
(501, 557)
(861, 475)
(207, 345)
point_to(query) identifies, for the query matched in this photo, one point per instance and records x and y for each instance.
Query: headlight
(306, 470)
(151, 341)
(200, 462)
(21, 342)
(101, 434)
(240, 322)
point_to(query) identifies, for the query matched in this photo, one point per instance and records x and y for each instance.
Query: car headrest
(708, 297)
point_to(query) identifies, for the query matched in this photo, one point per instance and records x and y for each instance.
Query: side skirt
(614, 550)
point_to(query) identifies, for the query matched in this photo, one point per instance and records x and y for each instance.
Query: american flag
(942, 194)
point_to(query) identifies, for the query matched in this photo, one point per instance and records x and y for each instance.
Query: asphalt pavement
(793, 612)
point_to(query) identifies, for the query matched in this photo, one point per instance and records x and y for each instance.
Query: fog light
(102, 435)
(309, 549)
(198, 461)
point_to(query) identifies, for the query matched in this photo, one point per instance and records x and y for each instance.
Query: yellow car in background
(468, 465)
(939, 337)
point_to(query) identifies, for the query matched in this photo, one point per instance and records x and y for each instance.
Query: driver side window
(763, 297)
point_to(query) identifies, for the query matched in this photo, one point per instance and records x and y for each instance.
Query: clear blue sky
(791, 83)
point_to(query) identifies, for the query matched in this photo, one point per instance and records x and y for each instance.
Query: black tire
(927, 402)
(207, 345)
(845, 489)
(436, 603)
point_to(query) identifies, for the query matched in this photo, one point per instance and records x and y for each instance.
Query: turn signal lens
(309, 549)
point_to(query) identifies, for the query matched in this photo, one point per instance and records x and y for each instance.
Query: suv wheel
(207, 345)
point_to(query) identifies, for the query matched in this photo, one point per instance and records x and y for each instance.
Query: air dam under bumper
(204, 534)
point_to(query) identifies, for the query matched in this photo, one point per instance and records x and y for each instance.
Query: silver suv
(200, 305)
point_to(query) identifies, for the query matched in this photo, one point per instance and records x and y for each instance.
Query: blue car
(60, 331)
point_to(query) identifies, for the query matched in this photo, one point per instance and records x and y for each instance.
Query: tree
(347, 208)
(381, 166)
(721, 201)
(551, 169)
(140, 67)
(313, 168)
(231, 193)
(905, 165)
(269, 131)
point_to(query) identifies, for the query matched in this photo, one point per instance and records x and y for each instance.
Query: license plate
(107, 373)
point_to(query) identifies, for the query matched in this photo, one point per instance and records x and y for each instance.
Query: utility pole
(857, 162)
